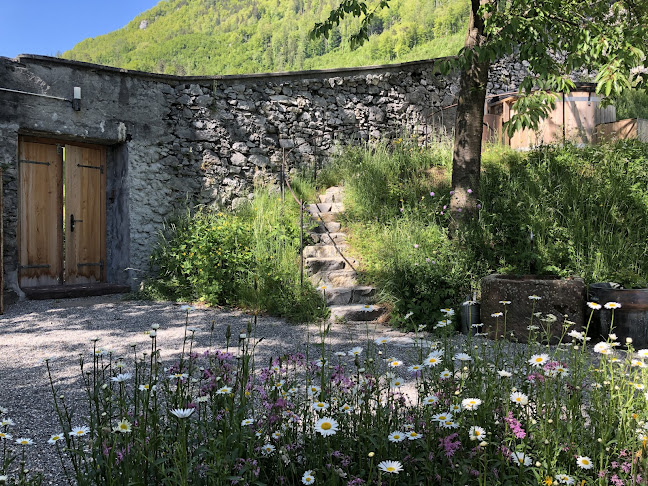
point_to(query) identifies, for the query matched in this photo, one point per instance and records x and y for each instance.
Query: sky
(46, 27)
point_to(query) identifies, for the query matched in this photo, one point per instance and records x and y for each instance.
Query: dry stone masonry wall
(180, 141)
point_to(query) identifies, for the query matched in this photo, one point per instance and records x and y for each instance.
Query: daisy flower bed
(435, 414)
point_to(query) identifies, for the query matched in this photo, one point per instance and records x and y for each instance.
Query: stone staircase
(331, 269)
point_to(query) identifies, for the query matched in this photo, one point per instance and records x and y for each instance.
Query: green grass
(249, 258)
(586, 207)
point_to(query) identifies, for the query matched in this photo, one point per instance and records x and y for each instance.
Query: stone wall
(178, 141)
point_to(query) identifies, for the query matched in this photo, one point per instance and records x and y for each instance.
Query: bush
(248, 258)
(586, 207)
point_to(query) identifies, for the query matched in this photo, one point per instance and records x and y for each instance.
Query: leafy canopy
(556, 37)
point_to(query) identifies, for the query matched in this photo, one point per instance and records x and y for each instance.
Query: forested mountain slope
(206, 37)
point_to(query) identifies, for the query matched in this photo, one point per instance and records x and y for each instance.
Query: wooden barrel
(631, 320)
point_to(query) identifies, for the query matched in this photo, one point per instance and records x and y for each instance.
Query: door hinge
(27, 267)
(100, 167)
(24, 161)
(99, 264)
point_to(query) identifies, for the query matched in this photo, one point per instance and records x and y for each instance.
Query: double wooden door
(62, 225)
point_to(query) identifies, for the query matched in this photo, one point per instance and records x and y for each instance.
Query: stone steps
(356, 312)
(331, 269)
(318, 265)
(329, 238)
(335, 278)
(350, 295)
(325, 251)
(331, 227)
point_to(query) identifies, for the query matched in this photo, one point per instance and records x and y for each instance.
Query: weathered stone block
(558, 297)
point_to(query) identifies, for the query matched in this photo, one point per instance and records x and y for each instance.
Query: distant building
(574, 118)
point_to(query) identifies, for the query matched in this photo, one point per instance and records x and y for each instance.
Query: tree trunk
(466, 159)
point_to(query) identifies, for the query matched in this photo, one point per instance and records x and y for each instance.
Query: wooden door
(62, 234)
(85, 214)
(41, 209)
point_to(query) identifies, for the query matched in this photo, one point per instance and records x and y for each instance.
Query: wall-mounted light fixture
(76, 101)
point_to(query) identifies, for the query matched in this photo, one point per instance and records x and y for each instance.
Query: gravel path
(61, 330)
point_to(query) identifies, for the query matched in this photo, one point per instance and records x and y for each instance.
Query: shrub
(586, 207)
(248, 258)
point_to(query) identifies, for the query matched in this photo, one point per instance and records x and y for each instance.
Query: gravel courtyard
(62, 330)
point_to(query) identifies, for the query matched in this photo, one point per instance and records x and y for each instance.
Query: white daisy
(182, 413)
(430, 400)
(476, 433)
(519, 398)
(326, 426)
(391, 467)
(471, 403)
(462, 357)
(521, 459)
(445, 374)
(320, 406)
(308, 477)
(247, 421)
(603, 348)
(55, 438)
(584, 462)
(564, 479)
(441, 417)
(396, 436)
(538, 359)
(449, 424)
(313, 390)
(267, 449)
(24, 441)
(612, 305)
(80, 431)
(123, 426)
(355, 351)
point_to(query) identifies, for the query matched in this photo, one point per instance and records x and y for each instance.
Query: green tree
(556, 37)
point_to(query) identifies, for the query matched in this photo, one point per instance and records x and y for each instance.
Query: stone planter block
(559, 297)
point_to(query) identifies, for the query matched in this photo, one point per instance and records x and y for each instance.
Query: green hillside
(206, 37)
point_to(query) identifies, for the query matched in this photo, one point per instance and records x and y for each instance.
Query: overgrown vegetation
(633, 105)
(586, 207)
(249, 258)
(474, 412)
(207, 37)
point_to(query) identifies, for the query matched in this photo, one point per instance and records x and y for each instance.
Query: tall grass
(249, 258)
(587, 209)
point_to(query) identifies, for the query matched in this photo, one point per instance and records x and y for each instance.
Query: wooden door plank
(41, 203)
(85, 201)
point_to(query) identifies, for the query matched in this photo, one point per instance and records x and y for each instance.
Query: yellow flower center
(391, 468)
(586, 462)
(326, 426)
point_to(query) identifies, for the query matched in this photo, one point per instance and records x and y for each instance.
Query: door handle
(73, 222)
